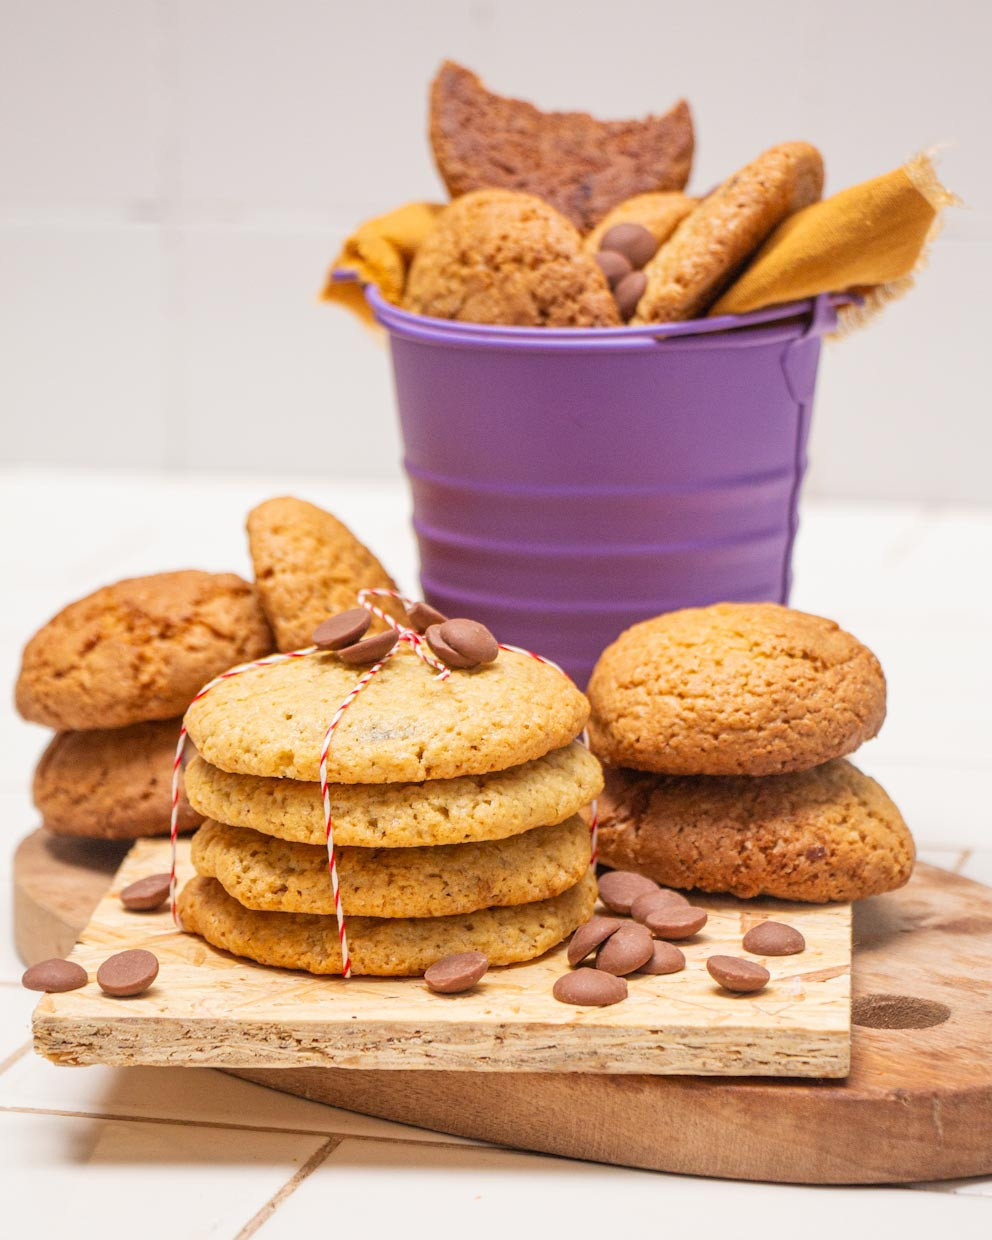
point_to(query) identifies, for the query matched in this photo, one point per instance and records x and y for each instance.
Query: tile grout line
(186, 1122)
(964, 857)
(262, 1216)
(14, 1057)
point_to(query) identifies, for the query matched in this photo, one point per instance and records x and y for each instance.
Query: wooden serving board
(917, 1104)
(214, 1009)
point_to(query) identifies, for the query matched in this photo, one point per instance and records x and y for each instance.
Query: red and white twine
(420, 648)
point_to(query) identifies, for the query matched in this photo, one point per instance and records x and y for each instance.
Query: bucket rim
(816, 314)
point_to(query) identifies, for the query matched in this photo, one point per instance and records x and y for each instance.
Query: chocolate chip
(588, 937)
(626, 950)
(589, 988)
(423, 615)
(147, 894)
(629, 292)
(663, 897)
(344, 629)
(633, 241)
(816, 853)
(618, 889)
(471, 640)
(457, 972)
(676, 922)
(665, 958)
(774, 938)
(462, 643)
(54, 976)
(613, 265)
(740, 976)
(369, 649)
(127, 973)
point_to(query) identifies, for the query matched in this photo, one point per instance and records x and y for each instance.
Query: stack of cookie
(726, 729)
(112, 673)
(455, 807)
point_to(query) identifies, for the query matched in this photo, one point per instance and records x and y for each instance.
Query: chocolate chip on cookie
(462, 643)
(344, 629)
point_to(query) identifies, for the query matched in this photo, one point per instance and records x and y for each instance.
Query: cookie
(829, 833)
(734, 689)
(582, 166)
(308, 565)
(546, 790)
(111, 783)
(496, 256)
(139, 650)
(385, 947)
(659, 213)
(272, 875)
(713, 243)
(405, 726)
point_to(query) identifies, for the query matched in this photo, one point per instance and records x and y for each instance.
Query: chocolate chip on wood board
(146, 894)
(127, 973)
(650, 901)
(665, 958)
(618, 889)
(626, 950)
(588, 937)
(774, 938)
(452, 974)
(675, 922)
(740, 976)
(54, 976)
(589, 988)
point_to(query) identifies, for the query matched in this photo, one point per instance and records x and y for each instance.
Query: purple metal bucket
(567, 483)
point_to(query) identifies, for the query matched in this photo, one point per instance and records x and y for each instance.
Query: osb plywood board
(210, 1008)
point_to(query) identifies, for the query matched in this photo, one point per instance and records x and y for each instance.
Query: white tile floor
(191, 1152)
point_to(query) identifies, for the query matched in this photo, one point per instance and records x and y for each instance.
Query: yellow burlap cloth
(868, 240)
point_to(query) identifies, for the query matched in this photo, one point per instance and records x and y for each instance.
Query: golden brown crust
(712, 243)
(406, 726)
(384, 947)
(582, 166)
(308, 565)
(496, 256)
(273, 875)
(734, 689)
(659, 213)
(113, 783)
(546, 790)
(139, 650)
(830, 833)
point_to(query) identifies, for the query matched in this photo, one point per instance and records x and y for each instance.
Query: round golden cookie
(497, 256)
(274, 875)
(710, 246)
(139, 649)
(406, 725)
(111, 783)
(830, 833)
(734, 689)
(308, 565)
(383, 947)
(659, 213)
(546, 790)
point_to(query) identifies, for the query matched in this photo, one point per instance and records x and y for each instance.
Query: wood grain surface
(917, 1104)
(211, 1008)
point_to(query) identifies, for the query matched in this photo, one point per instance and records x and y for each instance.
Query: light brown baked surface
(308, 565)
(498, 256)
(385, 947)
(111, 783)
(734, 689)
(139, 650)
(582, 166)
(405, 726)
(659, 213)
(546, 790)
(714, 241)
(273, 875)
(829, 833)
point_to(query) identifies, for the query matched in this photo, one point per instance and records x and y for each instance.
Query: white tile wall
(177, 173)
